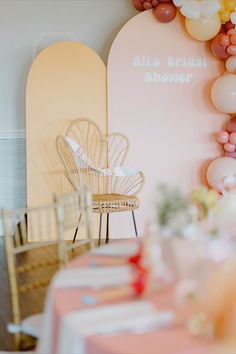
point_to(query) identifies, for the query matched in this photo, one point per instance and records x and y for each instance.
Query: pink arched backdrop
(159, 81)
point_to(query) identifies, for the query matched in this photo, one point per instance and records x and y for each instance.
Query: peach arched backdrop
(159, 81)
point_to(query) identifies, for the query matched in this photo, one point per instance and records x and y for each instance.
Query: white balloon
(231, 64)
(233, 18)
(209, 7)
(178, 3)
(191, 9)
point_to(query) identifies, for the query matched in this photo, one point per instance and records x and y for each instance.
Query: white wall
(33, 24)
(23, 23)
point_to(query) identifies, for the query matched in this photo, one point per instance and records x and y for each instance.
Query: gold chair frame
(46, 226)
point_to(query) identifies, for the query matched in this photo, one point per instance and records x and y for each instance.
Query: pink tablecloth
(175, 340)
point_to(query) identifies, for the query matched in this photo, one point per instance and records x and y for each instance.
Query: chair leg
(107, 231)
(100, 230)
(77, 228)
(135, 227)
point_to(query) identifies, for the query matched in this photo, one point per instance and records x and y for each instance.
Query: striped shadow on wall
(12, 169)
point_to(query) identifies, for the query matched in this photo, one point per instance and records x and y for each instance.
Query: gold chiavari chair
(35, 247)
(74, 209)
(110, 193)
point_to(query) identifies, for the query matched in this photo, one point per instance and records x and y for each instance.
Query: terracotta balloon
(165, 12)
(228, 25)
(223, 93)
(203, 29)
(219, 169)
(138, 4)
(217, 49)
(232, 125)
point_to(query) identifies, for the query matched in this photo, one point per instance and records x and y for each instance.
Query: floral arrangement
(182, 215)
(211, 20)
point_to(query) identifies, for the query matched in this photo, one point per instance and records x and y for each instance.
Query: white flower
(194, 9)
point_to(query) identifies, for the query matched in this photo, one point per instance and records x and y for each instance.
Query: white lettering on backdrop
(143, 62)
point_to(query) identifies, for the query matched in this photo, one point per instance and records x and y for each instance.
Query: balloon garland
(213, 20)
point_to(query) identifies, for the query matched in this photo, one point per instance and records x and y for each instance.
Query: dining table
(88, 310)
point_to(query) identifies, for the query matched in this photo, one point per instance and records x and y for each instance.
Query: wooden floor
(32, 302)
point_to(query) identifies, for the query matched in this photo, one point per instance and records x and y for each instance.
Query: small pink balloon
(224, 40)
(231, 49)
(230, 154)
(231, 31)
(232, 125)
(222, 137)
(229, 147)
(232, 138)
(147, 5)
(233, 38)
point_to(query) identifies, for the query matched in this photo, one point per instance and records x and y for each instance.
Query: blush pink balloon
(224, 40)
(233, 38)
(232, 125)
(230, 154)
(232, 138)
(222, 137)
(231, 49)
(147, 5)
(231, 31)
(229, 147)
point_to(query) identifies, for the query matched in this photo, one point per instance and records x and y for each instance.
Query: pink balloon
(232, 138)
(232, 125)
(217, 49)
(231, 49)
(147, 5)
(229, 147)
(224, 40)
(233, 38)
(222, 137)
(230, 154)
(231, 31)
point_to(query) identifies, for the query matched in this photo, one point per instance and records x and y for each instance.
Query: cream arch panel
(159, 81)
(67, 80)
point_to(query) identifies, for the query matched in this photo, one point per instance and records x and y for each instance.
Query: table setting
(153, 294)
